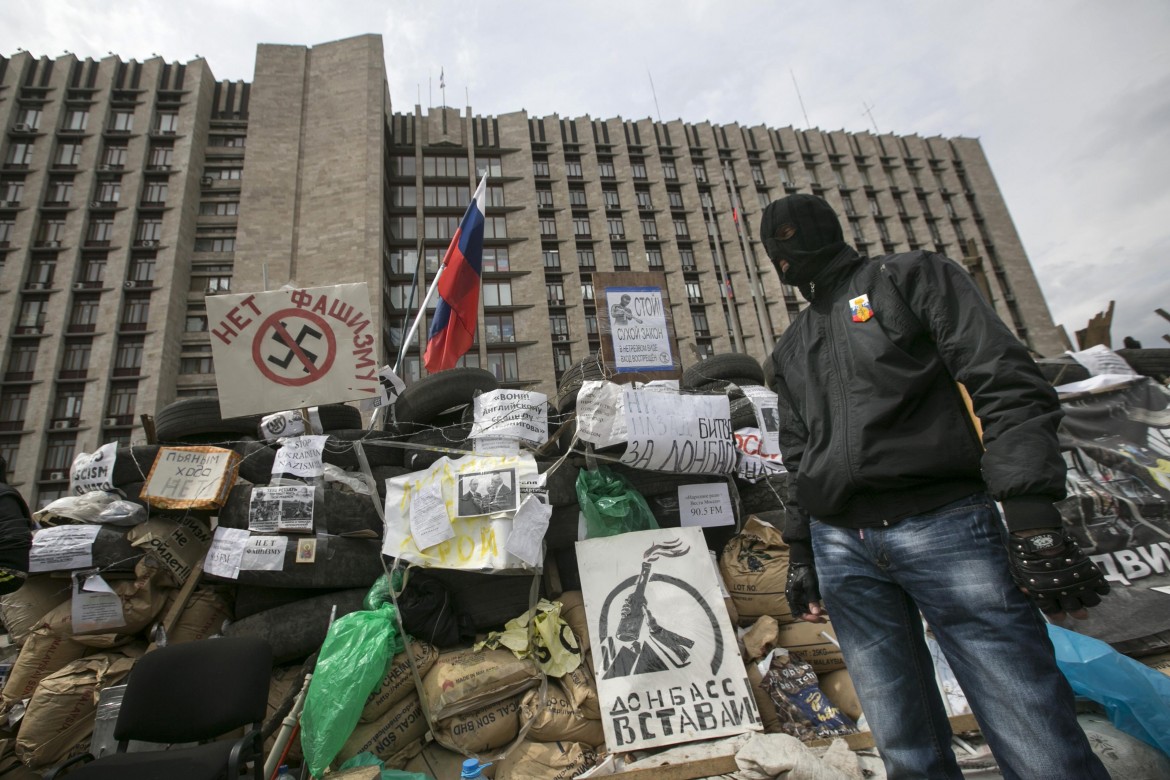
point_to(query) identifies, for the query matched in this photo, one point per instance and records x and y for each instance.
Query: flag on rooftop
(453, 325)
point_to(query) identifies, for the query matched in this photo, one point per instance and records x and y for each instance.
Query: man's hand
(804, 593)
(1049, 566)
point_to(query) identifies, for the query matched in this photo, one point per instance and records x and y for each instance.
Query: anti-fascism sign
(665, 657)
(293, 347)
(93, 471)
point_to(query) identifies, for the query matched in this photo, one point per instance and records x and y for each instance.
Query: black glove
(1055, 573)
(802, 588)
(11, 579)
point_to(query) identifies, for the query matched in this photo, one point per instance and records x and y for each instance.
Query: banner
(666, 661)
(1118, 506)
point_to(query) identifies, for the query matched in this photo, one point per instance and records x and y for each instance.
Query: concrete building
(131, 190)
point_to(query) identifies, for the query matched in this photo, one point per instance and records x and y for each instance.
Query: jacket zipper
(843, 395)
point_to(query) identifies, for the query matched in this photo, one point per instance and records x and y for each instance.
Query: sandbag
(205, 615)
(558, 720)
(838, 686)
(398, 681)
(485, 728)
(754, 565)
(804, 639)
(581, 688)
(464, 680)
(400, 725)
(43, 653)
(61, 711)
(768, 715)
(573, 613)
(24, 608)
(546, 761)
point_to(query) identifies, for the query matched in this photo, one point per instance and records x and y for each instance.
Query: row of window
(67, 405)
(75, 358)
(32, 318)
(76, 120)
(69, 155)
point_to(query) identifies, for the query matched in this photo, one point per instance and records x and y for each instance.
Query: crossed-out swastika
(303, 358)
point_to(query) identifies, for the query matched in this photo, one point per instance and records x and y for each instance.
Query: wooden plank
(180, 602)
(864, 740)
(690, 770)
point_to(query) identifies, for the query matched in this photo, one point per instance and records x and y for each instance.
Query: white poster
(264, 553)
(667, 666)
(705, 505)
(293, 347)
(754, 464)
(300, 456)
(226, 551)
(96, 607)
(93, 471)
(601, 420)
(62, 547)
(637, 327)
(521, 414)
(668, 431)
(767, 408)
(282, 508)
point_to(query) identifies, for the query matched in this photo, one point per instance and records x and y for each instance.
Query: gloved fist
(803, 591)
(1051, 568)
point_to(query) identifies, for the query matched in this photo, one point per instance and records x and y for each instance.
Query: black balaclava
(805, 231)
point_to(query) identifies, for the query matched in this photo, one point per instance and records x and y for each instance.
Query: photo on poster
(487, 492)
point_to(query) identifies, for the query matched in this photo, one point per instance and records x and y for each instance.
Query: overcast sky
(1071, 100)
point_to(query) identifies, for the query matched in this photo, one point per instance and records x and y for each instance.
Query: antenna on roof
(799, 98)
(655, 94)
(869, 111)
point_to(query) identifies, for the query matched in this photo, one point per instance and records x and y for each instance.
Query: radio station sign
(292, 348)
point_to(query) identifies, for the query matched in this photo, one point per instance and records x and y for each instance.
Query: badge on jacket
(860, 308)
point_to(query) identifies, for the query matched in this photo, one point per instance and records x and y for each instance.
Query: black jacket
(873, 425)
(15, 538)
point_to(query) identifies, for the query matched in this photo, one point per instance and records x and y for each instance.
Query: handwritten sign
(93, 471)
(300, 456)
(191, 478)
(664, 653)
(515, 413)
(668, 431)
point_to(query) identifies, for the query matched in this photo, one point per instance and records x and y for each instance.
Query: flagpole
(749, 260)
(732, 311)
(434, 284)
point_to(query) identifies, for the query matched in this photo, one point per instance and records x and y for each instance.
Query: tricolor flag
(453, 326)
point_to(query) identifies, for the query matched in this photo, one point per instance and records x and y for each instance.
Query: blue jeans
(951, 565)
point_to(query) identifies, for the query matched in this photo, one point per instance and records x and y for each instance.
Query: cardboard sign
(93, 472)
(293, 347)
(478, 541)
(664, 654)
(668, 431)
(514, 413)
(179, 543)
(191, 478)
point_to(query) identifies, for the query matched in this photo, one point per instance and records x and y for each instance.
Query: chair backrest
(196, 691)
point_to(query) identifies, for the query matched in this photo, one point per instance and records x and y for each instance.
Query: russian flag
(453, 326)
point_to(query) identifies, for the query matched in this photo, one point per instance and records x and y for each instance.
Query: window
(122, 121)
(669, 172)
(864, 171)
(161, 157)
(211, 278)
(581, 227)
(168, 122)
(705, 349)
(148, 230)
(562, 359)
(33, 314)
(591, 324)
(700, 171)
(499, 328)
(232, 140)
(196, 359)
(577, 197)
(114, 156)
(195, 323)
(758, 174)
(13, 408)
(504, 365)
(883, 230)
(649, 228)
(935, 235)
(489, 165)
(555, 293)
(558, 325)
(612, 201)
(469, 360)
(621, 258)
(12, 191)
(680, 228)
(207, 244)
(40, 272)
(540, 168)
(60, 191)
(763, 198)
(30, 117)
(221, 208)
(573, 169)
(441, 227)
(587, 291)
(495, 260)
(694, 292)
(497, 293)
(544, 199)
(847, 200)
(109, 191)
(654, 258)
(58, 456)
(128, 357)
(20, 154)
(585, 258)
(401, 295)
(638, 168)
(900, 205)
(908, 227)
(675, 198)
(606, 169)
(9, 448)
(552, 259)
(67, 405)
(950, 207)
(874, 208)
(839, 176)
(403, 228)
(403, 261)
(75, 359)
(402, 165)
(51, 233)
(644, 201)
(699, 320)
(548, 227)
(135, 312)
(495, 196)
(224, 174)
(453, 196)
(7, 226)
(22, 361)
(83, 316)
(100, 232)
(445, 166)
(123, 398)
(617, 228)
(142, 270)
(495, 227)
(858, 236)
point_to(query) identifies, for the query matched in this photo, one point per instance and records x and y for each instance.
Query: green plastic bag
(611, 504)
(369, 759)
(352, 660)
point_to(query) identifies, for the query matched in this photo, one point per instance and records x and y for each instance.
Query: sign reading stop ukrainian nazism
(637, 329)
(292, 348)
(667, 665)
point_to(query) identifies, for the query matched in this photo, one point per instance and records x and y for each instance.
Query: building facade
(130, 191)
